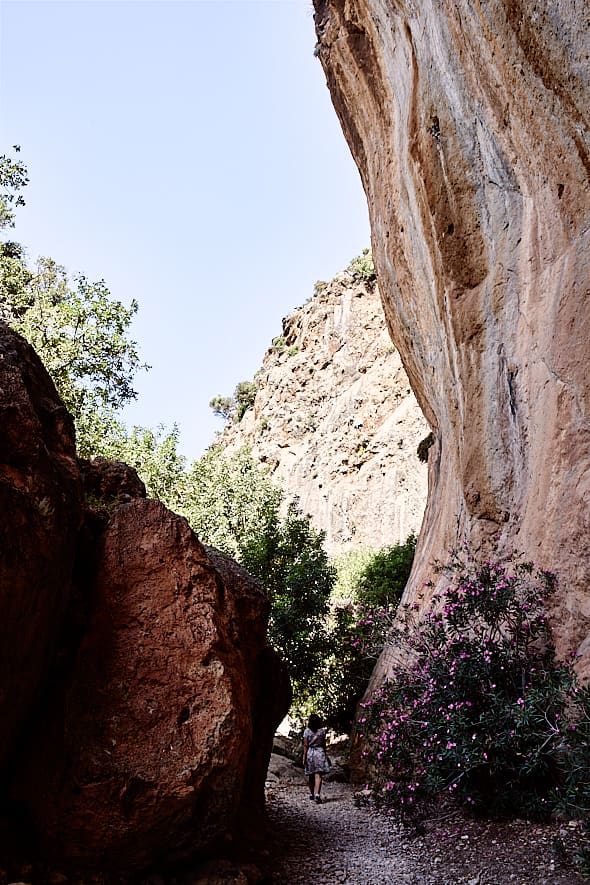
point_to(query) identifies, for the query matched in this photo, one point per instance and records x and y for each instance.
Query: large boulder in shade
(40, 514)
(146, 756)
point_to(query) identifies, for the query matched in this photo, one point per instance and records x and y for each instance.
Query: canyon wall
(335, 421)
(469, 125)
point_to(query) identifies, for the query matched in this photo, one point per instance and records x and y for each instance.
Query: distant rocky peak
(335, 420)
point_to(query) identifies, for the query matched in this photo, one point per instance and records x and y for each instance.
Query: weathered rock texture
(40, 514)
(335, 420)
(138, 694)
(469, 124)
(148, 751)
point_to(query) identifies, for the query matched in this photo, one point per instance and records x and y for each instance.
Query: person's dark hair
(314, 722)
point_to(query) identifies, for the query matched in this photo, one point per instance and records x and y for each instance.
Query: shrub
(363, 269)
(244, 395)
(383, 579)
(233, 408)
(574, 795)
(476, 708)
(365, 600)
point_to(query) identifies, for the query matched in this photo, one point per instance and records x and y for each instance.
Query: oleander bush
(477, 707)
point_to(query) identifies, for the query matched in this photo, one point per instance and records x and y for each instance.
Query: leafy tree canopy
(77, 328)
(233, 408)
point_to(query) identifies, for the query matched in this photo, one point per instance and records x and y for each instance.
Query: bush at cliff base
(480, 711)
(364, 604)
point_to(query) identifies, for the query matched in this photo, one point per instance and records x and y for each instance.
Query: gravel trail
(336, 842)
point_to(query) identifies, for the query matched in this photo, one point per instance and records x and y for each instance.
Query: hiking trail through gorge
(338, 842)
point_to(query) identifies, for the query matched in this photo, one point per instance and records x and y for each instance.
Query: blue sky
(188, 154)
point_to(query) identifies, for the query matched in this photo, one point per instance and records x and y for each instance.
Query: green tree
(383, 579)
(77, 328)
(13, 177)
(288, 556)
(244, 395)
(228, 499)
(80, 333)
(362, 268)
(155, 456)
(223, 406)
(233, 408)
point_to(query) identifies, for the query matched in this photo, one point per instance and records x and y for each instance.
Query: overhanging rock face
(469, 124)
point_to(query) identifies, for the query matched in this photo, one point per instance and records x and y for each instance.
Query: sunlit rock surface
(336, 422)
(469, 125)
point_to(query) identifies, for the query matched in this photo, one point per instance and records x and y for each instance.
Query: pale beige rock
(469, 124)
(335, 420)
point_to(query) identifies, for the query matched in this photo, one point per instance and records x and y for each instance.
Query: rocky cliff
(139, 696)
(469, 125)
(335, 420)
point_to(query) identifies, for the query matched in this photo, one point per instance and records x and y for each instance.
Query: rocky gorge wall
(335, 421)
(469, 125)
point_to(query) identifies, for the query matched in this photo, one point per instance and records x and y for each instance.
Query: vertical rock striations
(335, 420)
(469, 124)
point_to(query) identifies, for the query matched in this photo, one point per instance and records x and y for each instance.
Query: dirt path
(336, 842)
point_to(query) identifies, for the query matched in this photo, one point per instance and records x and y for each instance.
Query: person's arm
(305, 745)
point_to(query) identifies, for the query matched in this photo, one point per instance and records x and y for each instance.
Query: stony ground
(337, 842)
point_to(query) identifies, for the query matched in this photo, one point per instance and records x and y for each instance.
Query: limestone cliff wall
(335, 420)
(469, 124)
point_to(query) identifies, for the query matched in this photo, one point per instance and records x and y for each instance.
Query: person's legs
(318, 785)
(310, 780)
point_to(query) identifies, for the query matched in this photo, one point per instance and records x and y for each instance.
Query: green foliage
(363, 269)
(80, 333)
(244, 395)
(228, 499)
(233, 408)
(278, 344)
(384, 577)
(77, 329)
(155, 456)
(13, 177)
(349, 568)
(365, 599)
(319, 286)
(476, 708)
(232, 505)
(574, 793)
(288, 556)
(223, 406)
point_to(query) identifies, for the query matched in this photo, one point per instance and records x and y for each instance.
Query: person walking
(315, 760)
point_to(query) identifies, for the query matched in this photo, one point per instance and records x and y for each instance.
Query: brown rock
(147, 755)
(40, 514)
(335, 420)
(109, 483)
(469, 124)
